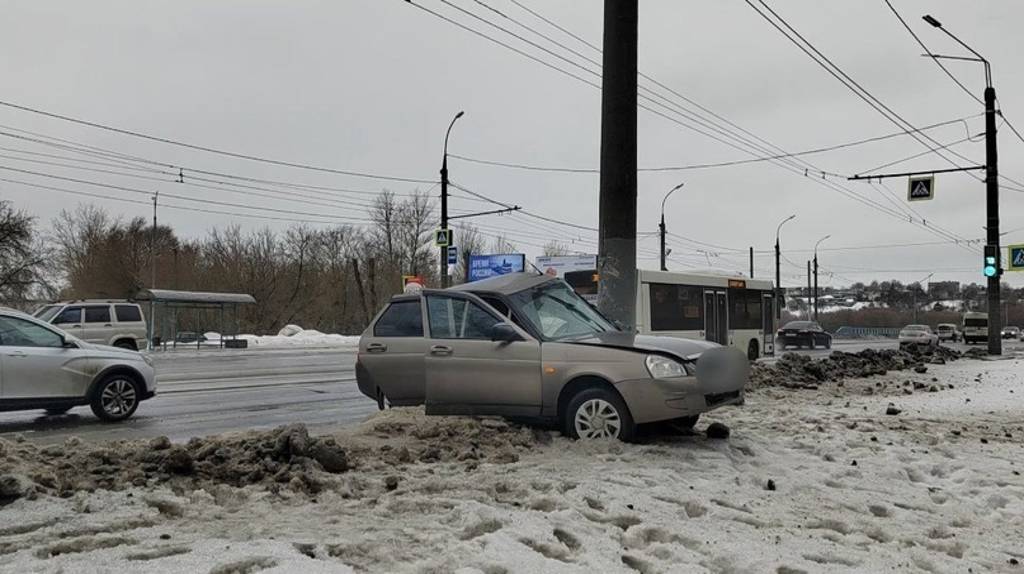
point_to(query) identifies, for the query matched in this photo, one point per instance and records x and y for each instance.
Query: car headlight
(663, 368)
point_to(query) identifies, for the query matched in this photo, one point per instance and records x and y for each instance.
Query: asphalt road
(216, 391)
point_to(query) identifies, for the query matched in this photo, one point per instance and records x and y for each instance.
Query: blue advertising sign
(485, 266)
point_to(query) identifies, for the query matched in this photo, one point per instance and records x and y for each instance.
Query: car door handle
(440, 350)
(108, 325)
(376, 348)
(16, 354)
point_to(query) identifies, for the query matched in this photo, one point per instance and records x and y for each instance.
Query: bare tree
(555, 248)
(20, 259)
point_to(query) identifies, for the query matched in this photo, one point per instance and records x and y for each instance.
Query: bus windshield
(557, 312)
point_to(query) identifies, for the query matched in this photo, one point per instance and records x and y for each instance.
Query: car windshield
(47, 313)
(557, 312)
(945, 327)
(916, 328)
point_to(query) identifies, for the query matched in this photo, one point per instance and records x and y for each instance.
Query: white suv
(115, 323)
(44, 368)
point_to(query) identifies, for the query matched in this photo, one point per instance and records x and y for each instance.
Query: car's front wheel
(115, 398)
(598, 413)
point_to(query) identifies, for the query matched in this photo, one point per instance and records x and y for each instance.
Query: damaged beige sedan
(527, 346)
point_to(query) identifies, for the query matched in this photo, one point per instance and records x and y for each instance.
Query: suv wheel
(116, 398)
(126, 344)
(598, 413)
(753, 351)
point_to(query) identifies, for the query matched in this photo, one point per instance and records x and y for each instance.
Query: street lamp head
(928, 18)
(664, 199)
(460, 114)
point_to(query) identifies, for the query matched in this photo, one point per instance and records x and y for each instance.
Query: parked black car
(803, 334)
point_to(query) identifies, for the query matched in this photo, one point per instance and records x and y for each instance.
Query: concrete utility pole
(809, 290)
(995, 339)
(778, 274)
(444, 201)
(661, 228)
(995, 342)
(616, 262)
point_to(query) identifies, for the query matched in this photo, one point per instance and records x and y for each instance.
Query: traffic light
(991, 268)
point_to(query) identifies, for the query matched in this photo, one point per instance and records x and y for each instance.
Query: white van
(975, 327)
(117, 323)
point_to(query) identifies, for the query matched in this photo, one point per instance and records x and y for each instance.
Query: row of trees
(332, 279)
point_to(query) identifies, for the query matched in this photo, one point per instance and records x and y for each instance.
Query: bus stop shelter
(198, 310)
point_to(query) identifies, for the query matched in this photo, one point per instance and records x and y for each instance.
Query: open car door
(478, 363)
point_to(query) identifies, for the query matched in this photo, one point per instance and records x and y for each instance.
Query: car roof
(916, 326)
(504, 284)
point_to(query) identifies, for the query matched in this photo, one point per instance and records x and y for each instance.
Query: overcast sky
(370, 86)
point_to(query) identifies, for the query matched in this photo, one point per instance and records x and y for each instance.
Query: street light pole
(661, 228)
(778, 273)
(444, 201)
(816, 275)
(995, 342)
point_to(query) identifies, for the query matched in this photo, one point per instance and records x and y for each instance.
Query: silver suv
(42, 367)
(523, 345)
(115, 323)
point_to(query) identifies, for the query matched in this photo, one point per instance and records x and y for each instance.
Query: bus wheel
(753, 351)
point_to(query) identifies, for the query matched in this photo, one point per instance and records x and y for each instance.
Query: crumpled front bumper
(719, 381)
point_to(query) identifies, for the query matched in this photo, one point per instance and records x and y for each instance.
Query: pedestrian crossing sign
(1016, 258)
(921, 188)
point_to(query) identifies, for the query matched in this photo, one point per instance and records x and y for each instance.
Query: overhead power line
(931, 56)
(168, 205)
(210, 149)
(175, 196)
(719, 164)
(791, 34)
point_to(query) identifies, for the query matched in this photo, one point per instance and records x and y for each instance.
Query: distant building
(944, 289)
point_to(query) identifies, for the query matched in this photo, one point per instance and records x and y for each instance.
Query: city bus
(734, 311)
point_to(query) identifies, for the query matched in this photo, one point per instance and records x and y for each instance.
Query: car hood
(106, 351)
(681, 348)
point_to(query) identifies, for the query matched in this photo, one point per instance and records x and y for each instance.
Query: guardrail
(846, 332)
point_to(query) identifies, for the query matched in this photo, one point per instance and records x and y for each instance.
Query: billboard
(559, 265)
(485, 266)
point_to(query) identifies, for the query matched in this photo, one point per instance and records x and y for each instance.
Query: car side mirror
(505, 333)
(67, 344)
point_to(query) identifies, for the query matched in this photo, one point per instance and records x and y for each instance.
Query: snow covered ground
(290, 337)
(809, 481)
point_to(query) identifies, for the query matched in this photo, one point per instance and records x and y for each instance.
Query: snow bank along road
(809, 481)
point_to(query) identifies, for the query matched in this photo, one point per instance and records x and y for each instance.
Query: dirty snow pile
(292, 336)
(801, 371)
(809, 481)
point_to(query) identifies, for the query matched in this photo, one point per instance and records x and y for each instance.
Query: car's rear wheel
(828, 343)
(382, 401)
(753, 351)
(126, 344)
(596, 413)
(115, 398)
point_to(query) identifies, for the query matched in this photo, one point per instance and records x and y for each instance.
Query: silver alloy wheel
(597, 418)
(118, 397)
